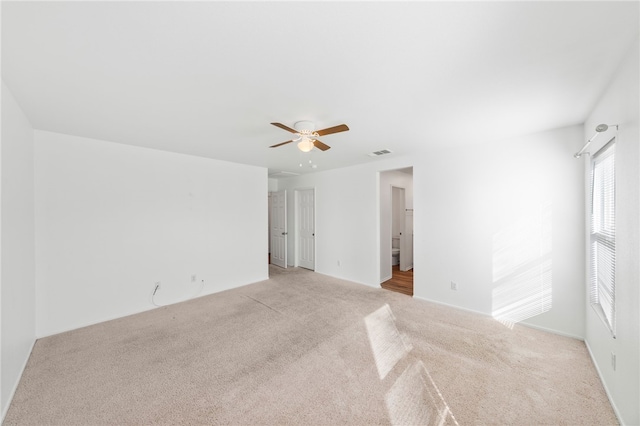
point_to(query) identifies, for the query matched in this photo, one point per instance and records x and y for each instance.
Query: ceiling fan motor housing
(304, 125)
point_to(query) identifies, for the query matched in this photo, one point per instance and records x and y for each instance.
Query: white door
(406, 250)
(306, 229)
(279, 228)
(398, 204)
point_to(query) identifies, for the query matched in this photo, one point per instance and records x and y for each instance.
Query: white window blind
(603, 235)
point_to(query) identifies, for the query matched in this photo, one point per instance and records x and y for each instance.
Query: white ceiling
(207, 78)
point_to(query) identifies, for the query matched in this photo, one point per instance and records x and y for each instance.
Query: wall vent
(379, 153)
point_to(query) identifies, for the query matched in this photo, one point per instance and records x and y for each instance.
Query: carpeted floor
(303, 348)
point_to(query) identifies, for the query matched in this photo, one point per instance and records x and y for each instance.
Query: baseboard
(437, 302)
(145, 309)
(386, 279)
(15, 385)
(346, 279)
(604, 384)
(536, 327)
(552, 331)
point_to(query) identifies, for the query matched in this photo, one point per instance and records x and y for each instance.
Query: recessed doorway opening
(396, 230)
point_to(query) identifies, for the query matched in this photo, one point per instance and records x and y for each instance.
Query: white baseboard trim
(15, 385)
(552, 331)
(346, 279)
(386, 279)
(604, 384)
(207, 292)
(437, 302)
(536, 327)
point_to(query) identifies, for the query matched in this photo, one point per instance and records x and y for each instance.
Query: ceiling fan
(307, 137)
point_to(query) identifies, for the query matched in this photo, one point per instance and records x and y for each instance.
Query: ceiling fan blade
(283, 127)
(321, 145)
(334, 129)
(280, 144)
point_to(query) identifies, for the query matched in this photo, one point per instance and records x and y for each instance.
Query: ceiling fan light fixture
(306, 137)
(306, 144)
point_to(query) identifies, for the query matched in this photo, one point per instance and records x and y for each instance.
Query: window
(603, 235)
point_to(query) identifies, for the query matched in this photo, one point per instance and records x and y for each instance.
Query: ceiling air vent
(379, 153)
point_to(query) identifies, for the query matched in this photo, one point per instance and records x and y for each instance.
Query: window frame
(602, 244)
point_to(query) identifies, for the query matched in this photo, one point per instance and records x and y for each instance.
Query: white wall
(619, 105)
(112, 219)
(347, 219)
(387, 180)
(462, 199)
(17, 293)
(500, 214)
(273, 185)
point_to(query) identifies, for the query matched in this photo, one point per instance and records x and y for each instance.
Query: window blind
(603, 234)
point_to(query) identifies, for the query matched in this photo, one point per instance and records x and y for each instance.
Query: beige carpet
(303, 348)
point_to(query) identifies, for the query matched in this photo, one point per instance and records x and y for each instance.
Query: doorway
(396, 230)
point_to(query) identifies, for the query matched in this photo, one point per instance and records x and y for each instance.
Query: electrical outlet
(193, 278)
(454, 286)
(338, 263)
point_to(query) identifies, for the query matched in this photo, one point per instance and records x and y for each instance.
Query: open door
(406, 248)
(398, 221)
(279, 229)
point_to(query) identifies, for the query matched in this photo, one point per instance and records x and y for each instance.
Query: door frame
(384, 245)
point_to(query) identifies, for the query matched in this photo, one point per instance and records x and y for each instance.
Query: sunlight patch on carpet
(387, 344)
(414, 399)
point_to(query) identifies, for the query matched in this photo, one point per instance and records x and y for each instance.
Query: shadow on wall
(522, 268)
